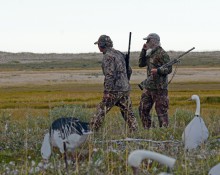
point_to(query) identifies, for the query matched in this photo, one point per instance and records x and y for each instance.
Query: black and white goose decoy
(135, 158)
(196, 131)
(65, 134)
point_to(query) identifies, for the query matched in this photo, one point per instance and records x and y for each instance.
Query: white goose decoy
(196, 131)
(215, 170)
(135, 158)
(66, 134)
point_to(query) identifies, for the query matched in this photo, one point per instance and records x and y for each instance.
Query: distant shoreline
(22, 78)
(37, 61)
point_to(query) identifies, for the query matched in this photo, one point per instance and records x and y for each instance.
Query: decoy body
(215, 170)
(135, 158)
(65, 134)
(196, 131)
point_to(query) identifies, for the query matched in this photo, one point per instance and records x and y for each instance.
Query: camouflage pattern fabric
(157, 58)
(120, 99)
(114, 70)
(148, 98)
(155, 87)
(104, 41)
(116, 89)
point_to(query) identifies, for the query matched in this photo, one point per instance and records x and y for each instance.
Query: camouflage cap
(104, 41)
(152, 36)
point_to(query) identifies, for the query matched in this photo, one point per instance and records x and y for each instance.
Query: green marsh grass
(26, 113)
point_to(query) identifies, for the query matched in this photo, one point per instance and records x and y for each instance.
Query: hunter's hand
(106, 95)
(145, 46)
(153, 71)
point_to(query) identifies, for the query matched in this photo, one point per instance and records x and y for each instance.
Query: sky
(72, 26)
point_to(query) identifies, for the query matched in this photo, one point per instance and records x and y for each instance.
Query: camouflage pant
(148, 98)
(120, 99)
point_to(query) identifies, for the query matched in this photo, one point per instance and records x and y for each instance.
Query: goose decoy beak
(189, 99)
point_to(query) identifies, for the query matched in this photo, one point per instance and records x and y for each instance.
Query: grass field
(33, 94)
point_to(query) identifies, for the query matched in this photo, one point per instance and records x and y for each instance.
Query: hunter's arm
(142, 58)
(165, 70)
(109, 72)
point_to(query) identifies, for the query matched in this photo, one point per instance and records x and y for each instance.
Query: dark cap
(104, 41)
(152, 36)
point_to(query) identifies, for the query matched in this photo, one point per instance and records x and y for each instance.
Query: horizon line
(20, 52)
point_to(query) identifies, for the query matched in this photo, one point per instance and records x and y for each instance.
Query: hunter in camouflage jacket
(155, 59)
(114, 70)
(116, 86)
